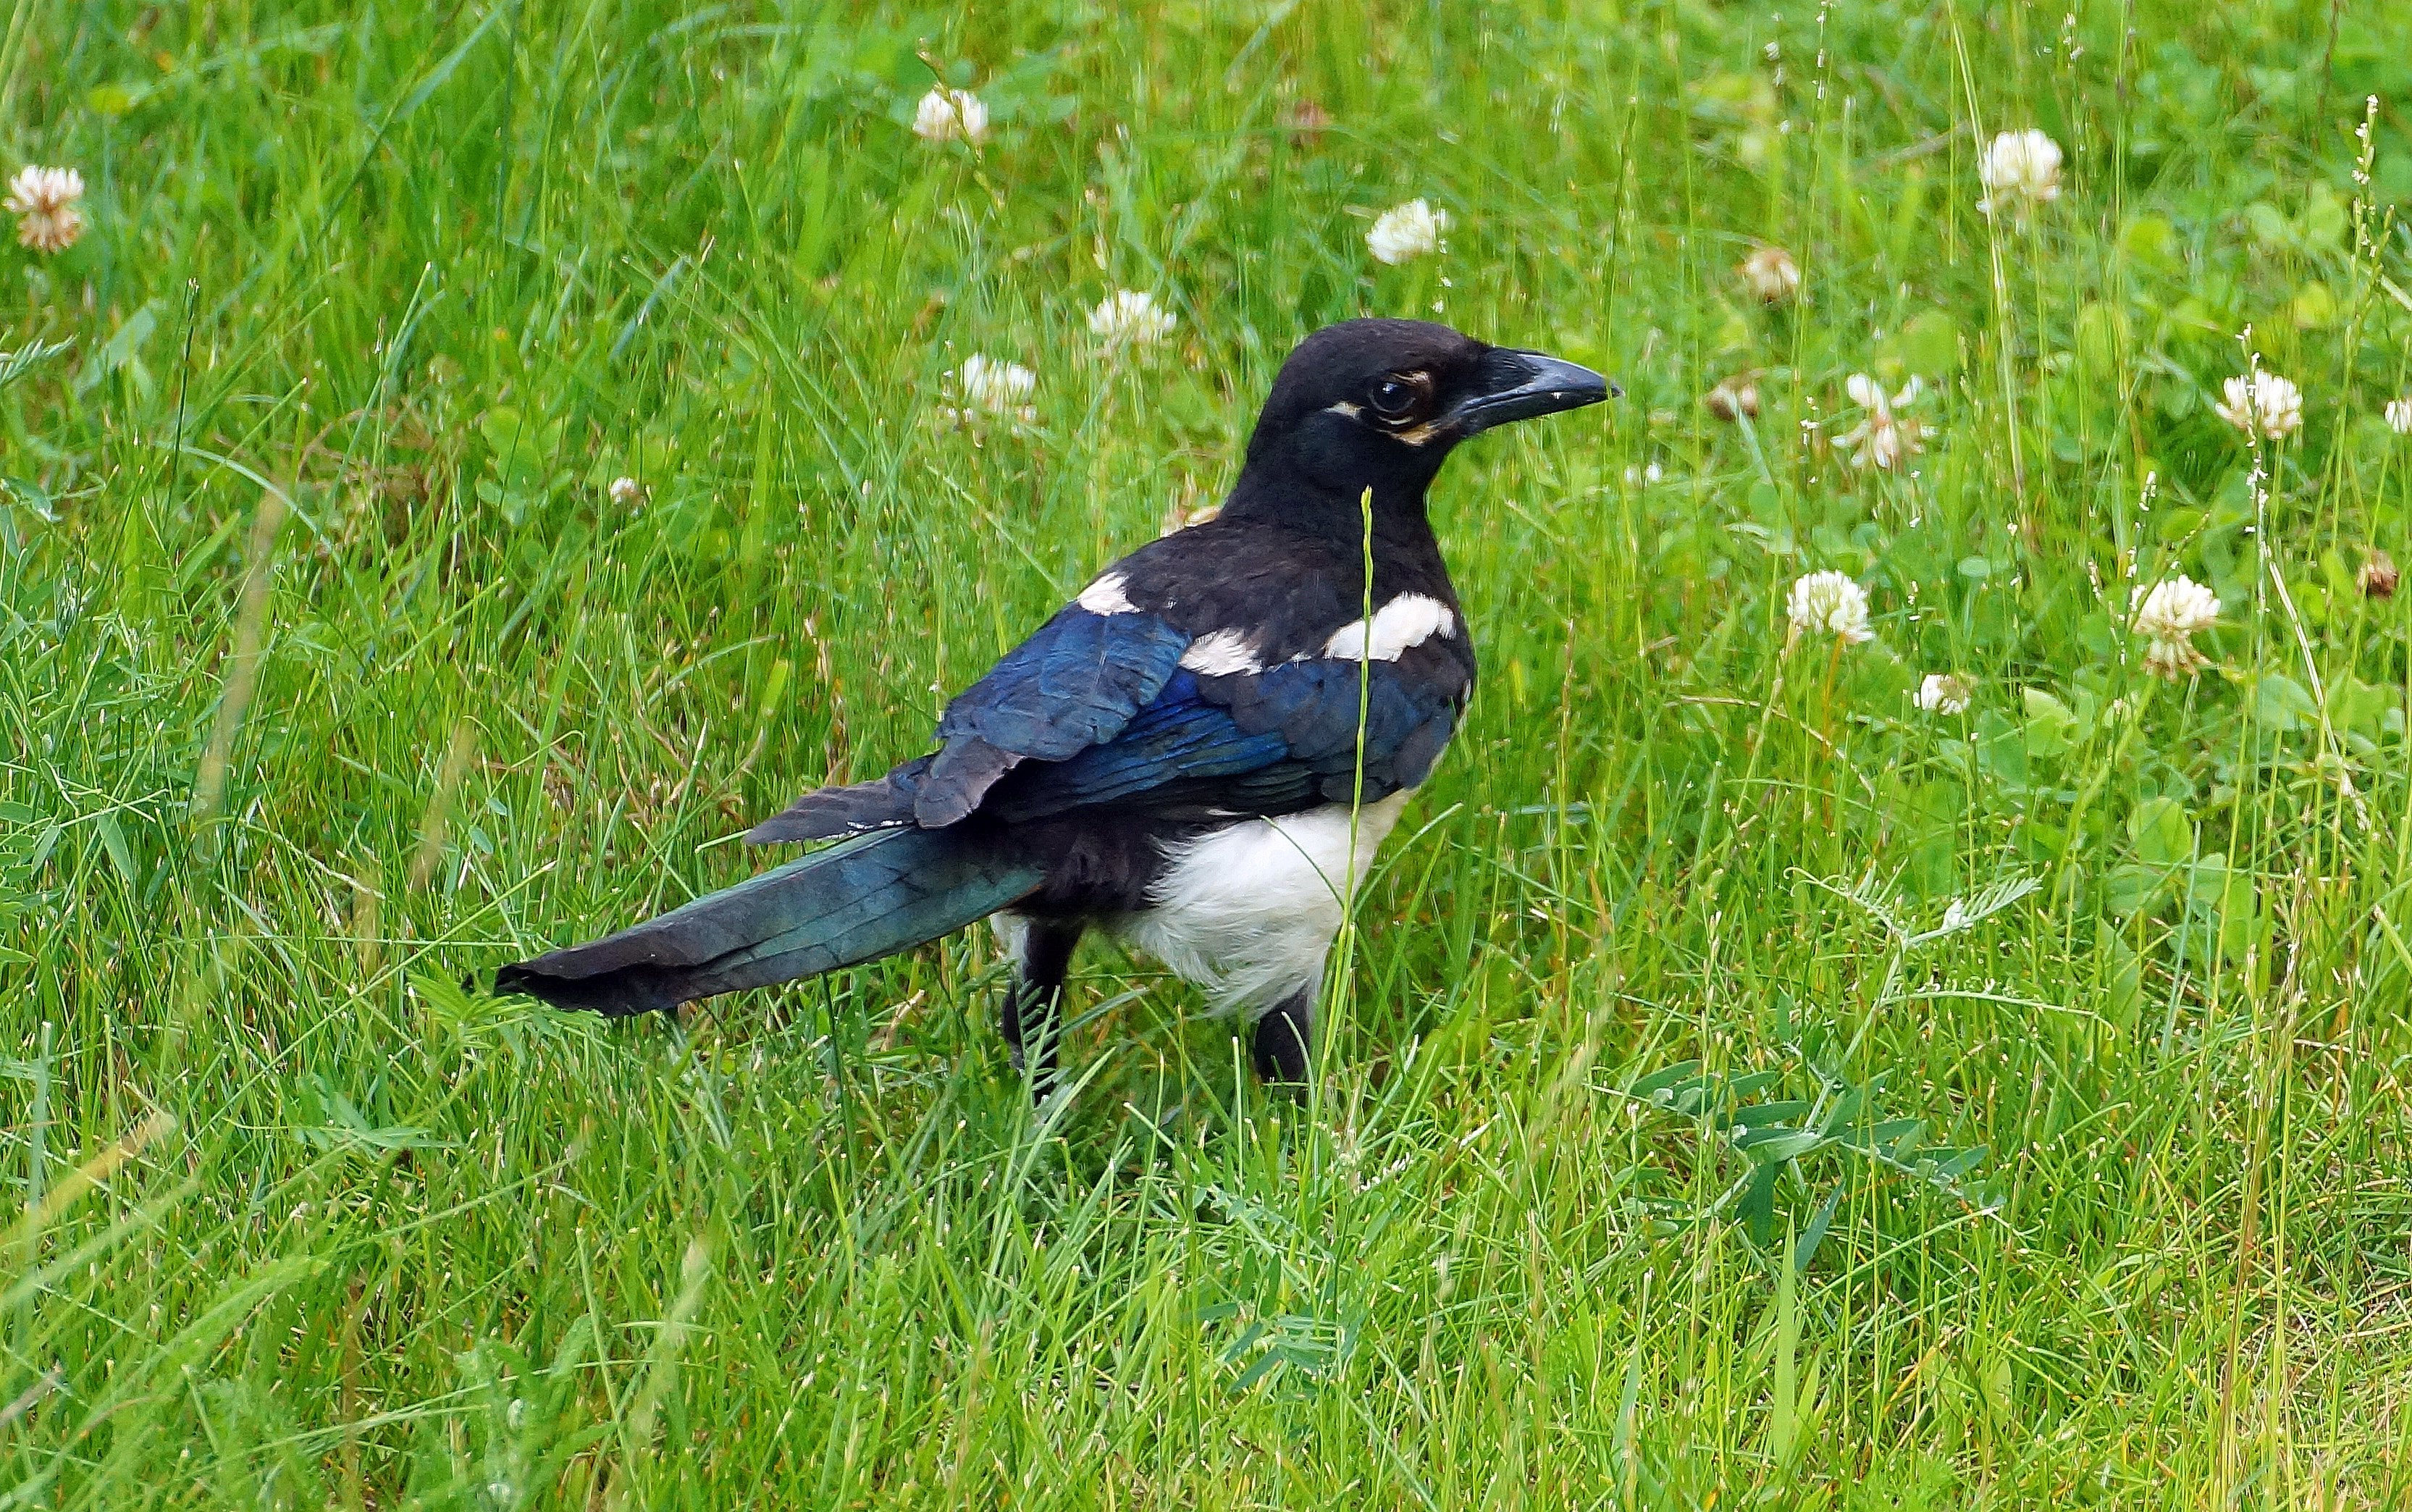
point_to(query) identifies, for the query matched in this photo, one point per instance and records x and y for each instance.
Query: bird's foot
(1279, 1044)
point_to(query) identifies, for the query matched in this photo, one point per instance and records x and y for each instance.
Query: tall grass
(1672, 1150)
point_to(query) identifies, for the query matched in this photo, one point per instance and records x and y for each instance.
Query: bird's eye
(1395, 396)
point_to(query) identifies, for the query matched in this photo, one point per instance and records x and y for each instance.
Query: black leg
(1283, 1036)
(1030, 1022)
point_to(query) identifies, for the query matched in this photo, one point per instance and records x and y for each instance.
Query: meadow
(475, 458)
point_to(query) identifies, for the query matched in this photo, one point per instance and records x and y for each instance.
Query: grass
(1671, 1152)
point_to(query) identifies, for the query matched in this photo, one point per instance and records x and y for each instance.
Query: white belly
(1249, 912)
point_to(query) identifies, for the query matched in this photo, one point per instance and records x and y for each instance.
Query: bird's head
(1381, 404)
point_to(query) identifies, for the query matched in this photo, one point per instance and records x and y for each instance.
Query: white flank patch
(1106, 597)
(1408, 620)
(1221, 654)
(1248, 913)
(1012, 934)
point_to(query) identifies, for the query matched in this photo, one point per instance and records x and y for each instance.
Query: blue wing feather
(1177, 739)
(1074, 683)
(1095, 711)
(1271, 742)
(1072, 686)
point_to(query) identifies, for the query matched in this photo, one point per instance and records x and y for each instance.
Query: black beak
(1511, 385)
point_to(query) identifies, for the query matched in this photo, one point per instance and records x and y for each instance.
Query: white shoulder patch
(1408, 620)
(1222, 653)
(1106, 597)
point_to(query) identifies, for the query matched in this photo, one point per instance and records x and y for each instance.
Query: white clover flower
(1828, 603)
(950, 115)
(43, 200)
(2261, 401)
(2168, 616)
(1882, 439)
(992, 389)
(1769, 274)
(2399, 416)
(995, 384)
(1943, 693)
(627, 493)
(1128, 317)
(1407, 231)
(935, 118)
(2175, 608)
(2020, 169)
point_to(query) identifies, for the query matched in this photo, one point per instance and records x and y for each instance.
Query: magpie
(1198, 755)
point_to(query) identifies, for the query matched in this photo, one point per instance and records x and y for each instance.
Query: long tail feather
(868, 897)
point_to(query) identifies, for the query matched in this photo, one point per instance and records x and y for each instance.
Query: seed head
(1307, 120)
(2379, 577)
(2399, 416)
(627, 493)
(2173, 659)
(1733, 399)
(1770, 275)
